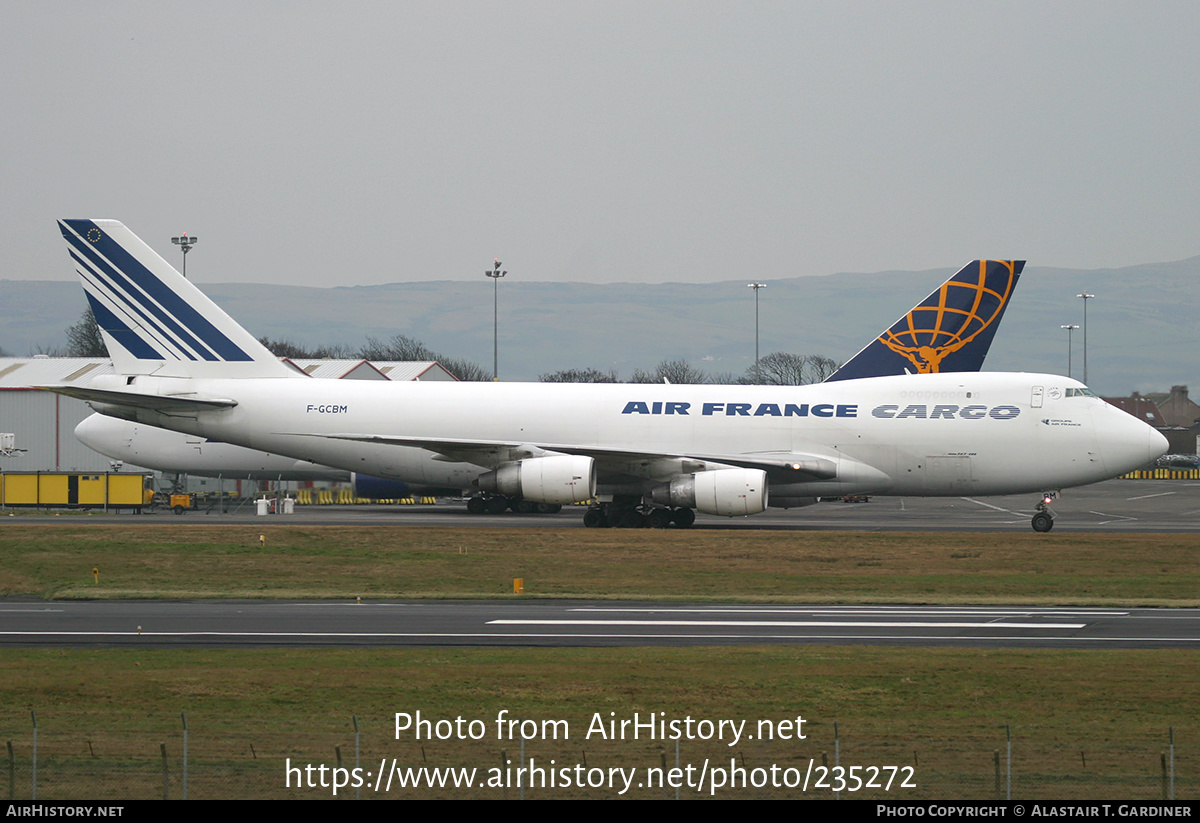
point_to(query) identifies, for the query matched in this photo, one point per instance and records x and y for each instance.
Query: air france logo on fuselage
(744, 409)
(887, 411)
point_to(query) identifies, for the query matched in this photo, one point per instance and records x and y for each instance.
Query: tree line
(84, 340)
(775, 369)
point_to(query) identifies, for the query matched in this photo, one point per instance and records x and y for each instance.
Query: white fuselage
(939, 434)
(168, 451)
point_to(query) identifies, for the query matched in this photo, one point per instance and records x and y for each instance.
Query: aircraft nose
(1158, 445)
(1127, 443)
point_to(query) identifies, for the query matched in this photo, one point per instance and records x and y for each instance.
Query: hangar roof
(27, 372)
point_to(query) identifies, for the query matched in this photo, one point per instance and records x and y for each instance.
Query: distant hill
(1143, 330)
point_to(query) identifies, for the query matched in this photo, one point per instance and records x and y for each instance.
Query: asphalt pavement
(1163, 506)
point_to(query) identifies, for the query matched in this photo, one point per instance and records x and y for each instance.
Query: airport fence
(51, 757)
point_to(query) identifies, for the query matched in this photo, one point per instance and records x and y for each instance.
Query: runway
(240, 624)
(1115, 506)
(1157, 506)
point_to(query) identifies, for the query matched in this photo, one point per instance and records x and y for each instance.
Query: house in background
(1171, 413)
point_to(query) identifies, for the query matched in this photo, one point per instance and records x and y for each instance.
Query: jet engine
(728, 492)
(562, 479)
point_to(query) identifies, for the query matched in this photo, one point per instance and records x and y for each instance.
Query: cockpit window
(1080, 393)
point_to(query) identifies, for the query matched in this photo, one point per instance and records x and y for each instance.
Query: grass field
(1085, 724)
(202, 561)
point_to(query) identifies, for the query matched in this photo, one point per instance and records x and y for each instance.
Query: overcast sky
(361, 143)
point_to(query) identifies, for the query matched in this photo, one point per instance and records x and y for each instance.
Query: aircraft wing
(792, 467)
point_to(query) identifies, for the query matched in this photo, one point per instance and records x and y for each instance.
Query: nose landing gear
(1043, 520)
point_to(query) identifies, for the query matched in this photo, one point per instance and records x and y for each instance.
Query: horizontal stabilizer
(168, 404)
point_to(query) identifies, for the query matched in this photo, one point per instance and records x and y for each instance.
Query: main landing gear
(499, 504)
(631, 514)
(1043, 520)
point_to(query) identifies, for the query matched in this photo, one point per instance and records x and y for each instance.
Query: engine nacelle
(728, 492)
(562, 479)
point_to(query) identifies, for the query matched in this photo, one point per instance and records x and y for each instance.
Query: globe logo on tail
(961, 310)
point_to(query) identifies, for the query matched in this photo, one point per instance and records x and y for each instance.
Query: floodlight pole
(495, 274)
(185, 244)
(1070, 327)
(1085, 297)
(756, 287)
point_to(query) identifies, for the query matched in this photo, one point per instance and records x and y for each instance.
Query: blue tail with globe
(951, 330)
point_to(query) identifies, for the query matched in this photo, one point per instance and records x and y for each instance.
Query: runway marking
(1119, 518)
(788, 623)
(861, 610)
(990, 506)
(1147, 496)
(1160, 617)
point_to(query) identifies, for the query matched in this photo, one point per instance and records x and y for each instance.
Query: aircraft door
(946, 473)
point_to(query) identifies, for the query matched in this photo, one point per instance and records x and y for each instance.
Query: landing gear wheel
(659, 518)
(595, 519)
(1042, 522)
(629, 519)
(476, 505)
(684, 518)
(496, 505)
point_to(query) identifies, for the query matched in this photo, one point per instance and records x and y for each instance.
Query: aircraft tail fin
(951, 330)
(153, 320)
